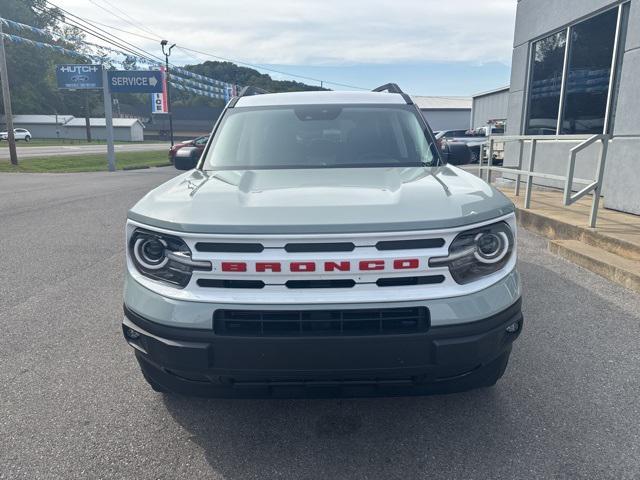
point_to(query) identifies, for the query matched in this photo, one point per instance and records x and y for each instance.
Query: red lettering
(264, 266)
(302, 267)
(406, 264)
(234, 267)
(340, 266)
(372, 265)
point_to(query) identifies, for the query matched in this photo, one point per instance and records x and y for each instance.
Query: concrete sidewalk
(612, 249)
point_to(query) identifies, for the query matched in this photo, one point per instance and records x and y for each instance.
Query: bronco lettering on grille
(328, 266)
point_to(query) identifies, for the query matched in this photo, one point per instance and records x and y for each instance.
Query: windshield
(320, 136)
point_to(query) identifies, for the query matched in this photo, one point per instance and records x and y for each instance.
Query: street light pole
(167, 53)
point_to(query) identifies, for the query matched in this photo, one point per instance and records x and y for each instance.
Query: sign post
(124, 81)
(108, 117)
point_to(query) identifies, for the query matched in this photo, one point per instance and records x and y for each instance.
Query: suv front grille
(297, 323)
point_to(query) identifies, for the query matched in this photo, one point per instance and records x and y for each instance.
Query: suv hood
(333, 200)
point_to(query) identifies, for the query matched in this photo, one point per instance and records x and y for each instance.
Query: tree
(232, 73)
(31, 70)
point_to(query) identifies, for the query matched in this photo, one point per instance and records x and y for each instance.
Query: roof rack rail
(246, 92)
(250, 90)
(394, 88)
(388, 87)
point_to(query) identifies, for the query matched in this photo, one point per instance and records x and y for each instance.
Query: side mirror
(458, 154)
(186, 158)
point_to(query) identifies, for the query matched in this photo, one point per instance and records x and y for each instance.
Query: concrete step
(619, 269)
(554, 228)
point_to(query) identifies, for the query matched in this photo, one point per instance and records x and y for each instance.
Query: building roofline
(490, 92)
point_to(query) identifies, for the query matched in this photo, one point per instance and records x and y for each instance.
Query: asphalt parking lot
(74, 405)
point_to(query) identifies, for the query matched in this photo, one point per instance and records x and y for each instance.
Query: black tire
(27, 138)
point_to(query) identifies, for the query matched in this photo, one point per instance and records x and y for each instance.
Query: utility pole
(87, 115)
(6, 98)
(108, 118)
(164, 43)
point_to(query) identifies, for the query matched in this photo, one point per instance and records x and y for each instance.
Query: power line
(270, 69)
(181, 71)
(130, 20)
(128, 32)
(187, 51)
(103, 35)
(128, 46)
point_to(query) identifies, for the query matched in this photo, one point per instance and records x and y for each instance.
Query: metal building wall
(448, 119)
(491, 106)
(535, 19)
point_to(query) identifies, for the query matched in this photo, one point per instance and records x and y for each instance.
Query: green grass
(52, 142)
(86, 163)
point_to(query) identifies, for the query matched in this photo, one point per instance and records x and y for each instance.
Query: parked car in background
(198, 143)
(463, 146)
(19, 133)
(460, 146)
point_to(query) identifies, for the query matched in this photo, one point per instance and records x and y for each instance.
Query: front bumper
(440, 359)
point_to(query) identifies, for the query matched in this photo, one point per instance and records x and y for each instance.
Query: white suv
(19, 134)
(321, 246)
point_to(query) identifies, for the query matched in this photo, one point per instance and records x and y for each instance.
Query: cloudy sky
(429, 47)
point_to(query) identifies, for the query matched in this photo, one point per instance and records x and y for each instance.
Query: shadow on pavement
(341, 438)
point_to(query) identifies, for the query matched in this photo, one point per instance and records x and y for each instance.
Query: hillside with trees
(32, 70)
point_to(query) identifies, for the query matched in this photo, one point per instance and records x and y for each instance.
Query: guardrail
(591, 186)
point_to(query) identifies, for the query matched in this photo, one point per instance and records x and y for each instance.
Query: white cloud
(319, 32)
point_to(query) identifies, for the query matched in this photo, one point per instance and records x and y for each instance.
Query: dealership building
(576, 71)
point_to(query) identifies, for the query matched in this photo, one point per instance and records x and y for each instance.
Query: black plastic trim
(295, 284)
(229, 247)
(307, 323)
(217, 283)
(409, 281)
(319, 247)
(410, 244)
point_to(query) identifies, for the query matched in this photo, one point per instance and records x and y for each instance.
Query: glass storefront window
(590, 50)
(546, 84)
(590, 56)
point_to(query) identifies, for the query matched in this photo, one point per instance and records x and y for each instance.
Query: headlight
(163, 257)
(478, 253)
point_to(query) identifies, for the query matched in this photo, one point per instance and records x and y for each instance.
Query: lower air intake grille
(303, 323)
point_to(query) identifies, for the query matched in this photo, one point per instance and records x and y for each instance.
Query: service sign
(135, 81)
(79, 77)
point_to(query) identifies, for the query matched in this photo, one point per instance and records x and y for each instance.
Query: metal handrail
(592, 186)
